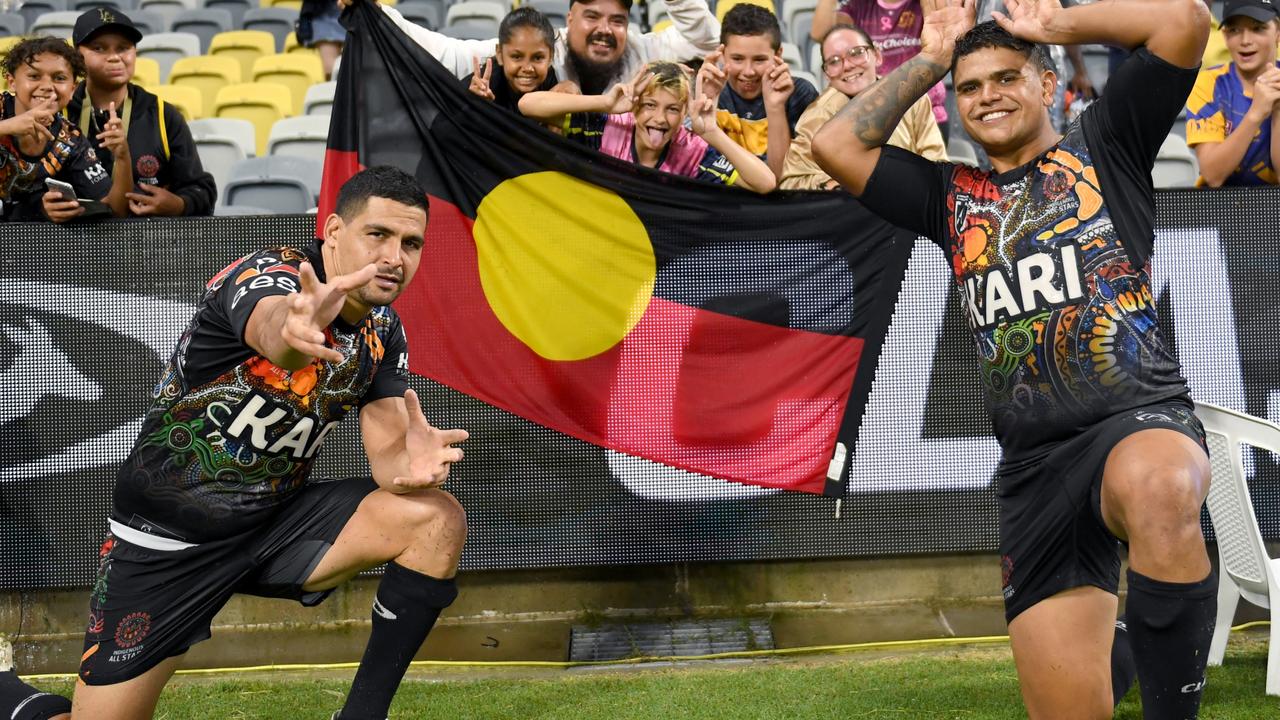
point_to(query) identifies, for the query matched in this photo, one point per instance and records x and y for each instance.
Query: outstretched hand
(711, 77)
(315, 306)
(944, 22)
(429, 449)
(1031, 20)
(113, 137)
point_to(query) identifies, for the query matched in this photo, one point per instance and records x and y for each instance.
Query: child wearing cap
(1232, 120)
(166, 177)
(37, 144)
(642, 121)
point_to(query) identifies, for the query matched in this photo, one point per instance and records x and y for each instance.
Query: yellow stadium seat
(663, 24)
(291, 45)
(188, 100)
(291, 4)
(244, 46)
(146, 72)
(207, 74)
(724, 6)
(260, 103)
(296, 72)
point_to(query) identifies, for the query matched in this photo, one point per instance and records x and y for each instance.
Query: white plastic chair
(1175, 164)
(319, 99)
(1245, 569)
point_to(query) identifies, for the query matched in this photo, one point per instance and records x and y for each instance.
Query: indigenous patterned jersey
(1217, 106)
(231, 437)
(67, 157)
(1051, 260)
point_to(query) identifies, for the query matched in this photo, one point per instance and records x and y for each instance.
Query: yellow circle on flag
(567, 266)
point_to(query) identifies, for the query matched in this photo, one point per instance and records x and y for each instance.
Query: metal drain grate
(683, 637)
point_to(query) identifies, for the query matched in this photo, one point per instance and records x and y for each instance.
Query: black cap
(104, 19)
(1260, 10)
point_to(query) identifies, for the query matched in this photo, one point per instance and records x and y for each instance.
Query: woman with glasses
(850, 61)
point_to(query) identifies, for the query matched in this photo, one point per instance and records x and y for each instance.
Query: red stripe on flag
(697, 390)
(339, 166)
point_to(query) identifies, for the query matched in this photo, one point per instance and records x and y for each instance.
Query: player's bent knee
(436, 511)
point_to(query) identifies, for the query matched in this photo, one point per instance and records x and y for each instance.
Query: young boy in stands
(760, 102)
(168, 178)
(1232, 108)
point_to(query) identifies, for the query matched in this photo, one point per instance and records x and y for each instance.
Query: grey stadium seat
(204, 23)
(277, 21)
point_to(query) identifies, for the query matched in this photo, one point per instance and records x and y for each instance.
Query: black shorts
(1052, 535)
(148, 605)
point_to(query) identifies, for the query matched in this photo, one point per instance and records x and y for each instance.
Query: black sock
(1170, 627)
(404, 609)
(20, 701)
(1123, 669)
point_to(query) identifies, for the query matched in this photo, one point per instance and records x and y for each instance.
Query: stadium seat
(277, 21)
(187, 99)
(319, 99)
(168, 48)
(819, 83)
(260, 103)
(1245, 569)
(167, 9)
(961, 151)
(793, 11)
(478, 19)
(221, 210)
(207, 74)
(58, 24)
(244, 46)
(792, 57)
(291, 45)
(294, 71)
(554, 10)
(657, 13)
(282, 184)
(1175, 165)
(12, 24)
(149, 22)
(204, 23)
(724, 6)
(146, 72)
(292, 4)
(237, 8)
(302, 136)
(663, 24)
(1097, 64)
(32, 9)
(81, 5)
(815, 61)
(427, 13)
(221, 143)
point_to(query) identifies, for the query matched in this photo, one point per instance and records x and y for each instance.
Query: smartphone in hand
(61, 188)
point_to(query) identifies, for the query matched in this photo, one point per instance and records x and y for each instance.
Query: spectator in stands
(1233, 119)
(850, 60)
(37, 143)
(642, 121)
(318, 27)
(167, 177)
(760, 102)
(894, 26)
(597, 49)
(526, 42)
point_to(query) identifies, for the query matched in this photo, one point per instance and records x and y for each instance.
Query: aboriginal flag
(697, 326)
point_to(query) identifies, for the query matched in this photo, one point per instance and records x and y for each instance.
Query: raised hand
(944, 21)
(702, 113)
(711, 76)
(622, 98)
(34, 123)
(1032, 20)
(429, 449)
(315, 306)
(778, 85)
(113, 138)
(480, 79)
(1266, 92)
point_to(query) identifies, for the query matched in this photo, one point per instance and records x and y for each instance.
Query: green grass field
(959, 682)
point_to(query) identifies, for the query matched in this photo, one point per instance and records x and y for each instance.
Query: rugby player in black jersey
(1050, 253)
(215, 498)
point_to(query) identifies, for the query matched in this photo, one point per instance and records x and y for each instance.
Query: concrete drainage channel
(676, 639)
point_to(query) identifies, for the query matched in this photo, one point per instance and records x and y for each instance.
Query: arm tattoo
(875, 112)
